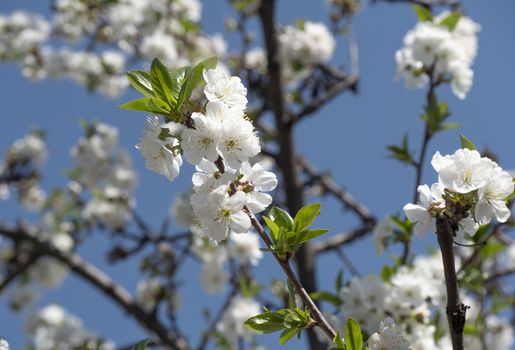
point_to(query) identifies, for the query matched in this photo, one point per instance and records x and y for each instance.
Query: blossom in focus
(421, 213)
(161, 155)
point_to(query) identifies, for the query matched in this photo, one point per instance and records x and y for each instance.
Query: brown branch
(425, 3)
(286, 161)
(456, 310)
(100, 281)
(341, 239)
(285, 265)
(19, 270)
(330, 186)
(346, 82)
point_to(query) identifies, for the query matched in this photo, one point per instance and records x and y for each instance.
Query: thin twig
(285, 265)
(100, 281)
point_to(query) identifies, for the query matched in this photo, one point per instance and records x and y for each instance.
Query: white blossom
(226, 89)
(254, 182)
(421, 214)
(4, 345)
(239, 310)
(464, 171)
(410, 69)
(238, 142)
(382, 231)
(220, 213)
(147, 292)
(491, 197)
(389, 337)
(246, 247)
(202, 141)
(161, 156)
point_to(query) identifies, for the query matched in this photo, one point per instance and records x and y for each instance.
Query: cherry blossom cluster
(437, 50)
(20, 169)
(55, 328)
(303, 46)
(214, 275)
(390, 336)
(231, 324)
(220, 142)
(4, 345)
(110, 181)
(115, 32)
(471, 191)
(46, 272)
(413, 297)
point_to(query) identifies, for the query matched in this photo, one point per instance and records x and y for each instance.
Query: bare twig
(345, 82)
(18, 271)
(330, 186)
(100, 281)
(341, 239)
(285, 265)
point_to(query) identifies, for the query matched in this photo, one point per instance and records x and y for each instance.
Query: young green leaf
(451, 20)
(338, 341)
(281, 218)
(305, 217)
(161, 81)
(274, 229)
(178, 77)
(267, 322)
(287, 334)
(424, 15)
(140, 80)
(466, 143)
(326, 296)
(141, 345)
(193, 79)
(309, 234)
(353, 336)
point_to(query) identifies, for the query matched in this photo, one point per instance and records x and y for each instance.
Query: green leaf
(272, 226)
(450, 21)
(326, 296)
(146, 104)
(140, 80)
(161, 81)
(305, 217)
(267, 322)
(338, 341)
(387, 272)
(281, 218)
(178, 77)
(424, 15)
(310, 234)
(466, 143)
(287, 334)
(491, 249)
(402, 152)
(353, 336)
(141, 345)
(194, 78)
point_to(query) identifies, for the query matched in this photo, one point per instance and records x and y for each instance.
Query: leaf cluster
(167, 93)
(289, 234)
(290, 321)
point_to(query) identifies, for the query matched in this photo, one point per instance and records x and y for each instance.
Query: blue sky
(347, 138)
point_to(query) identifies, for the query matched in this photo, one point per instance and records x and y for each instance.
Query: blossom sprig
(213, 133)
(471, 191)
(439, 49)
